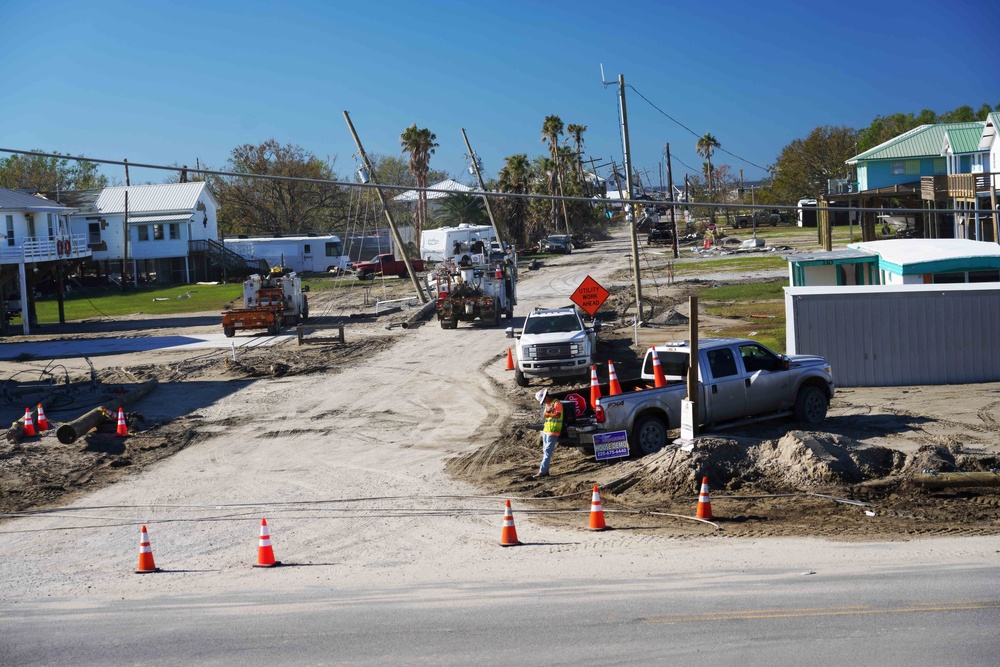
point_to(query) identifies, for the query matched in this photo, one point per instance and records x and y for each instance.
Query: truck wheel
(519, 378)
(496, 312)
(811, 405)
(648, 435)
(447, 323)
(229, 331)
(305, 314)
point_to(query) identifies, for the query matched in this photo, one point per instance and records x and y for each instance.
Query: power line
(695, 134)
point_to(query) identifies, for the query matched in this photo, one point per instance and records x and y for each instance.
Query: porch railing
(43, 249)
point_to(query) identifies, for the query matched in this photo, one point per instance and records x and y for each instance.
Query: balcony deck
(45, 249)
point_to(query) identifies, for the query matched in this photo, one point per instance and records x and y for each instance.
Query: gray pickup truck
(741, 381)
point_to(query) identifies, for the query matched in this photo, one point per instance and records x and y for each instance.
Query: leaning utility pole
(670, 186)
(628, 194)
(388, 214)
(482, 186)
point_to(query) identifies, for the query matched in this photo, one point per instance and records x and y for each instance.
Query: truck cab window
(757, 358)
(722, 363)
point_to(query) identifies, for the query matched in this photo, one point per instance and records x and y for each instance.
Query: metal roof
(963, 140)
(162, 198)
(923, 141)
(166, 217)
(832, 256)
(928, 252)
(12, 200)
(447, 184)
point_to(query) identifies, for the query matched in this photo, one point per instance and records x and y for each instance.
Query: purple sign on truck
(610, 445)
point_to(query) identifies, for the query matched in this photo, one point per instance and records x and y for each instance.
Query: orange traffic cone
(43, 423)
(595, 387)
(597, 512)
(660, 380)
(615, 387)
(704, 502)
(146, 563)
(265, 554)
(508, 537)
(122, 426)
(510, 360)
(29, 425)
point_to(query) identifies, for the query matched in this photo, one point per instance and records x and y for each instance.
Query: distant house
(37, 243)
(898, 262)
(170, 234)
(433, 198)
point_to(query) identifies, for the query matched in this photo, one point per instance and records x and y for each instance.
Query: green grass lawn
(757, 311)
(748, 262)
(152, 301)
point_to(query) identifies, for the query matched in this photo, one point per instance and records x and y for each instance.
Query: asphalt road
(910, 616)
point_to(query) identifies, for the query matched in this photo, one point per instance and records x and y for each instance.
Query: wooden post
(692, 378)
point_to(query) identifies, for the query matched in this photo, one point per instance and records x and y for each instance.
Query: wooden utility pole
(482, 186)
(670, 187)
(388, 214)
(628, 194)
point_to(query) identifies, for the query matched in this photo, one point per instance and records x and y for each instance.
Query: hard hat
(540, 396)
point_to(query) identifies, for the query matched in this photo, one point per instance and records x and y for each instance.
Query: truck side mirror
(785, 362)
(597, 326)
(305, 288)
(509, 332)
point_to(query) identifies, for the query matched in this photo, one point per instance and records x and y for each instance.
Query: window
(913, 167)
(898, 168)
(984, 276)
(51, 230)
(949, 277)
(10, 231)
(94, 233)
(722, 363)
(333, 249)
(142, 232)
(307, 249)
(757, 358)
(175, 231)
(940, 167)
(157, 232)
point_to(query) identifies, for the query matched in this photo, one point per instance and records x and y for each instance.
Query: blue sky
(172, 82)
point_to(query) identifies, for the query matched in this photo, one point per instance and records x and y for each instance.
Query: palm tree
(705, 147)
(515, 177)
(419, 143)
(458, 208)
(552, 129)
(576, 134)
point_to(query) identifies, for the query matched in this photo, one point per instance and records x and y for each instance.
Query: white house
(169, 229)
(36, 243)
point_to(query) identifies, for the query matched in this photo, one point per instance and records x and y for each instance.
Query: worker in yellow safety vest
(552, 414)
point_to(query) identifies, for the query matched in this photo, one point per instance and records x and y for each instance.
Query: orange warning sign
(589, 296)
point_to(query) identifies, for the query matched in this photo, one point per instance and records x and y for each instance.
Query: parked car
(558, 244)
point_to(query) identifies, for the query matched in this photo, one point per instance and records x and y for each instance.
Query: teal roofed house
(920, 152)
(938, 168)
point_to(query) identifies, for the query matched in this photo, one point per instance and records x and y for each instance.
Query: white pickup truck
(554, 343)
(740, 381)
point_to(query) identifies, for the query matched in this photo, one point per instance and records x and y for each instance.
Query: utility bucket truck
(480, 287)
(269, 302)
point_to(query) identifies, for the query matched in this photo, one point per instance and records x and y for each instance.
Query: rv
(439, 244)
(297, 253)
(807, 212)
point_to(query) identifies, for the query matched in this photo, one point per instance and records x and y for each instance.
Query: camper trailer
(437, 245)
(296, 253)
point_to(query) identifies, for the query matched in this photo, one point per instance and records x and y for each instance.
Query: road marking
(821, 611)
